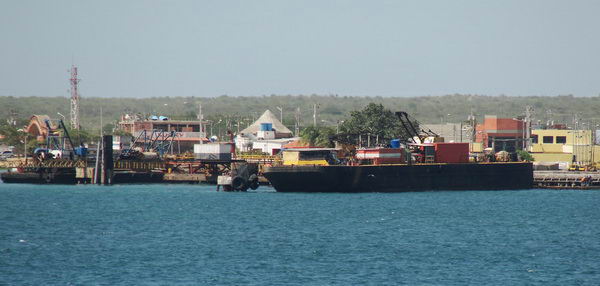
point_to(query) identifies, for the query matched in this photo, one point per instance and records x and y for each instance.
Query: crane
(413, 129)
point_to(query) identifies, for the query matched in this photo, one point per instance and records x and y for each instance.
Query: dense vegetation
(227, 110)
(319, 136)
(374, 121)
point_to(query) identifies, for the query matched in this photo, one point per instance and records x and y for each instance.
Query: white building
(277, 129)
(266, 134)
(272, 147)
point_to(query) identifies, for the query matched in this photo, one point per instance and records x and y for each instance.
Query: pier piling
(107, 160)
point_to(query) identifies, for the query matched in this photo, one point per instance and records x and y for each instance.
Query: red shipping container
(451, 152)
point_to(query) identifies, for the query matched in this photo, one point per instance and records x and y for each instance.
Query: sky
(249, 48)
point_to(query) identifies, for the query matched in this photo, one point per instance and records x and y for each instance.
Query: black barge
(400, 178)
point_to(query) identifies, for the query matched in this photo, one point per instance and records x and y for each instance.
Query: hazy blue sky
(387, 48)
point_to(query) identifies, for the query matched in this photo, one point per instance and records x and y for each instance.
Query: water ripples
(190, 234)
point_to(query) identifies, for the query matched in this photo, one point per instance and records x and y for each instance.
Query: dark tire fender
(238, 183)
(253, 181)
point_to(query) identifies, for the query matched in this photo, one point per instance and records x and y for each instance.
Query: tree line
(228, 112)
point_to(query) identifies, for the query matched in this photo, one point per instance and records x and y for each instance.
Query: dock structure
(66, 171)
(196, 171)
(566, 180)
(184, 178)
(106, 168)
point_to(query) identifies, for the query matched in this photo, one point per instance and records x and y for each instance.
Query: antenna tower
(74, 99)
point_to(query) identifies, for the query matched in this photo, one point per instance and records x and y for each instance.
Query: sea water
(193, 235)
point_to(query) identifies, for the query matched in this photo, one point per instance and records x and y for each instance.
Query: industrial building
(501, 134)
(564, 146)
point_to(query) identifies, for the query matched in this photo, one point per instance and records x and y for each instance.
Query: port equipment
(412, 128)
(159, 141)
(413, 133)
(201, 170)
(55, 141)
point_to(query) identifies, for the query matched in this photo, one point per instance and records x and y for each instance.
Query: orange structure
(501, 134)
(37, 126)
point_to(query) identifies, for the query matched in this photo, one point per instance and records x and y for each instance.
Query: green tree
(375, 121)
(17, 138)
(82, 136)
(525, 156)
(317, 136)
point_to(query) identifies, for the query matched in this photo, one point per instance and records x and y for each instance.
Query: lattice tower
(75, 124)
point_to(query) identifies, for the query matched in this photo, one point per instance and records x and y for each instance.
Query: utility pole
(574, 128)
(25, 148)
(280, 114)
(461, 131)
(200, 117)
(315, 115)
(528, 111)
(101, 126)
(473, 130)
(297, 121)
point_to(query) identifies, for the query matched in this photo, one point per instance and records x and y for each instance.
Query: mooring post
(107, 160)
(97, 172)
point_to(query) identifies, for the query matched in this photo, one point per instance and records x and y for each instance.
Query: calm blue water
(190, 234)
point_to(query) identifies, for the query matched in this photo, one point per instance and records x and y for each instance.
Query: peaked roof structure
(37, 126)
(267, 117)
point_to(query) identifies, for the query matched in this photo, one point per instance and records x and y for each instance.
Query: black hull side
(69, 178)
(138, 178)
(400, 178)
(66, 178)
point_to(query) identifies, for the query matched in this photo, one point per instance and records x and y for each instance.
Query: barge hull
(69, 178)
(401, 178)
(38, 178)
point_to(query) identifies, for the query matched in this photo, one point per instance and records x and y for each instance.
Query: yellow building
(309, 156)
(559, 140)
(560, 145)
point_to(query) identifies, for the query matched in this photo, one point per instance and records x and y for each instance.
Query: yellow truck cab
(310, 156)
